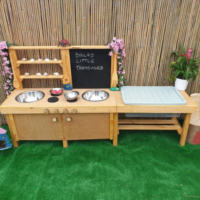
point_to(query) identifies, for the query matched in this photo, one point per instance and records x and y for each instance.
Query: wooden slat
(39, 62)
(148, 127)
(66, 66)
(146, 121)
(58, 47)
(41, 77)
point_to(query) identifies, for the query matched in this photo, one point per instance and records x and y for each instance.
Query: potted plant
(184, 68)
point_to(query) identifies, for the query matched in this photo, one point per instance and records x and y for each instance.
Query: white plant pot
(181, 84)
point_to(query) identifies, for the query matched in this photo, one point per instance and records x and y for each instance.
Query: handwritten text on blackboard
(86, 58)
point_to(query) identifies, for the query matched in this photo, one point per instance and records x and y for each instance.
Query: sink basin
(29, 96)
(95, 95)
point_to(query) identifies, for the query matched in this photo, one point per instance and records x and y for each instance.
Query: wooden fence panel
(151, 29)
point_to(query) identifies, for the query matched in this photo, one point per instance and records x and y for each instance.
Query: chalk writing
(84, 60)
(78, 67)
(84, 55)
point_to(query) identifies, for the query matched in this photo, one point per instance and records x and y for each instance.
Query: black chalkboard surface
(91, 68)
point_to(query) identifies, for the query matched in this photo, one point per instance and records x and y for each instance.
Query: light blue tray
(151, 95)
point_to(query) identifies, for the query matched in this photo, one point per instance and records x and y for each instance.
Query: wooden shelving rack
(66, 77)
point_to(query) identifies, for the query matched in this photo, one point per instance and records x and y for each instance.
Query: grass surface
(145, 165)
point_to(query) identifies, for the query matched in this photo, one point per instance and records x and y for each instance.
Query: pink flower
(112, 44)
(5, 88)
(3, 45)
(123, 72)
(119, 63)
(3, 73)
(6, 63)
(110, 53)
(8, 81)
(114, 38)
(119, 40)
(121, 45)
(122, 83)
(10, 77)
(123, 53)
(3, 53)
(7, 69)
(4, 58)
(118, 72)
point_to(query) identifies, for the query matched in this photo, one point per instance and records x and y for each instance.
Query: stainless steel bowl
(71, 95)
(95, 95)
(29, 96)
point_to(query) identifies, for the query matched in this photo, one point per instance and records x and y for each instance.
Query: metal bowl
(71, 95)
(56, 90)
(95, 95)
(29, 96)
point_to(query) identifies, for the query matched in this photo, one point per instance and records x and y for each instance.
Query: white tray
(151, 95)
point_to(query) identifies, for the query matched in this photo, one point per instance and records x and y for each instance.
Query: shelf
(41, 77)
(39, 62)
(58, 47)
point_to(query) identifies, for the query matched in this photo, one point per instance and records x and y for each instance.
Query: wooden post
(17, 82)
(66, 66)
(65, 144)
(114, 77)
(115, 138)
(13, 130)
(185, 129)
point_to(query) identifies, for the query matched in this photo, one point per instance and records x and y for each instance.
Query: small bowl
(56, 90)
(73, 95)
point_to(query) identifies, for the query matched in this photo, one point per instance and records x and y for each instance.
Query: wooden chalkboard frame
(65, 63)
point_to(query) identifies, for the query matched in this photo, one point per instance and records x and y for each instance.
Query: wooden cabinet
(60, 127)
(86, 126)
(39, 127)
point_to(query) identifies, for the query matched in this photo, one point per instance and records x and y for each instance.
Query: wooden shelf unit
(64, 63)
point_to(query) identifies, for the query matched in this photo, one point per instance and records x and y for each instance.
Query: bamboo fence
(151, 29)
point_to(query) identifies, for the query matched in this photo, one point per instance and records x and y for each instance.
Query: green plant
(185, 67)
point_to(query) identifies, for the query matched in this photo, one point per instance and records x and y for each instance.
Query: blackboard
(91, 68)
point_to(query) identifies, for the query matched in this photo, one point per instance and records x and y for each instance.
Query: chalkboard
(91, 68)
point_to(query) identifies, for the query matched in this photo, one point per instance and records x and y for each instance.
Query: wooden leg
(111, 126)
(185, 129)
(115, 138)
(13, 130)
(65, 144)
(177, 123)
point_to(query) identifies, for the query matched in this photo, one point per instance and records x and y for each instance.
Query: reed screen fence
(151, 29)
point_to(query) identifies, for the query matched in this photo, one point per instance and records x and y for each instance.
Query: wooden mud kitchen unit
(81, 120)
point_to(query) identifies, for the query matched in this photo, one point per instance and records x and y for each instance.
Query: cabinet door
(86, 126)
(39, 127)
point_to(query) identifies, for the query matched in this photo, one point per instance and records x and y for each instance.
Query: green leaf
(176, 52)
(182, 48)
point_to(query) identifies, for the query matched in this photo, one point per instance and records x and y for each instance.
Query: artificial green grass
(144, 165)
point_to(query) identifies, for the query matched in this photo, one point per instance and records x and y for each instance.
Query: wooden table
(103, 116)
(154, 124)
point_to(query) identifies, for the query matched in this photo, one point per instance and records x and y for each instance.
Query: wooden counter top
(190, 107)
(113, 104)
(11, 106)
